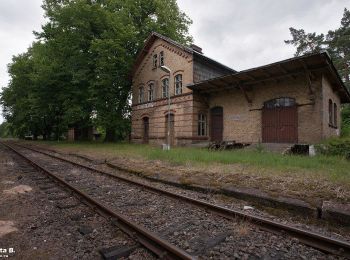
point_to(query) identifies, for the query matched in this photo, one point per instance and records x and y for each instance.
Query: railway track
(151, 241)
(51, 217)
(166, 215)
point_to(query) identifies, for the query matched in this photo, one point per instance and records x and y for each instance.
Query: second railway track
(201, 229)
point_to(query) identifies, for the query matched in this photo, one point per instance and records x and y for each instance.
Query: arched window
(150, 91)
(335, 119)
(155, 61)
(178, 84)
(161, 58)
(202, 124)
(280, 102)
(330, 112)
(141, 94)
(165, 87)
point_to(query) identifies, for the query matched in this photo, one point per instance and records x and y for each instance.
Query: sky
(238, 33)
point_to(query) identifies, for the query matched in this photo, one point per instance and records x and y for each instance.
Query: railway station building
(295, 101)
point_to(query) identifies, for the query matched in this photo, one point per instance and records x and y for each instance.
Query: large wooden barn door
(216, 124)
(280, 121)
(145, 130)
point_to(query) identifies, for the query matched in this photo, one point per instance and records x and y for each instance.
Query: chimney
(196, 48)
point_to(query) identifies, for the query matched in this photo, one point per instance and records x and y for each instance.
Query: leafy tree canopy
(337, 43)
(77, 72)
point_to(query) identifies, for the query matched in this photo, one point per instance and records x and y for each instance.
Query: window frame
(141, 94)
(151, 91)
(280, 102)
(178, 84)
(165, 91)
(155, 61)
(161, 58)
(202, 127)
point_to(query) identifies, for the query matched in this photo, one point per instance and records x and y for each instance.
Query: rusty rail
(162, 248)
(315, 240)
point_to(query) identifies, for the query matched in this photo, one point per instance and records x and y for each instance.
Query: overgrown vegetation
(5, 130)
(335, 168)
(77, 72)
(335, 146)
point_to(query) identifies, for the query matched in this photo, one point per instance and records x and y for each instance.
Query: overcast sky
(238, 33)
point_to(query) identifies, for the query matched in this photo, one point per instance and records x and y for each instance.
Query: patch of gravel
(199, 232)
(42, 226)
(311, 224)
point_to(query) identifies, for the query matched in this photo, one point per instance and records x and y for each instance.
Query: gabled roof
(154, 36)
(312, 63)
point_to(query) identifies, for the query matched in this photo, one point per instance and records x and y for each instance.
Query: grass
(333, 168)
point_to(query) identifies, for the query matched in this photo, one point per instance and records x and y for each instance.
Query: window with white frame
(178, 84)
(165, 88)
(155, 61)
(141, 94)
(150, 91)
(161, 58)
(202, 124)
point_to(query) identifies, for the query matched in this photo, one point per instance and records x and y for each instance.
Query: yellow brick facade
(180, 62)
(242, 120)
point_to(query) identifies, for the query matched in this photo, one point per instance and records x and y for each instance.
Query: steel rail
(162, 248)
(315, 240)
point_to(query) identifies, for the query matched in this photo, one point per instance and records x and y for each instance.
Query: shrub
(335, 146)
(345, 125)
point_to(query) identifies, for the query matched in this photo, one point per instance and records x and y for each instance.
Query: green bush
(335, 146)
(345, 124)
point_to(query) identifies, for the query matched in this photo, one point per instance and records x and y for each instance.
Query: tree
(339, 47)
(77, 73)
(306, 42)
(337, 43)
(4, 130)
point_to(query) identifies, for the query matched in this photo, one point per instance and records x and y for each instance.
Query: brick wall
(178, 61)
(328, 93)
(242, 121)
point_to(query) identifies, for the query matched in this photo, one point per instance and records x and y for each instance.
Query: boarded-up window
(330, 112)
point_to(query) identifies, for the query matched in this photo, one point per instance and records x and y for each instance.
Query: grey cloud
(244, 34)
(18, 18)
(239, 33)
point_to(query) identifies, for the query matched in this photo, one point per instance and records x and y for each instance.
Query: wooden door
(172, 129)
(280, 122)
(216, 124)
(145, 130)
